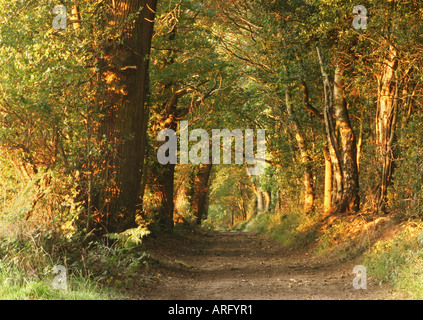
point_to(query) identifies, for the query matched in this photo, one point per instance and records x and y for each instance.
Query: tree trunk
(335, 157)
(327, 205)
(350, 198)
(259, 200)
(201, 182)
(242, 205)
(164, 174)
(385, 124)
(305, 158)
(267, 200)
(127, 76)
(165, 185)
(76, 17)
(342, 147)
(278, 206)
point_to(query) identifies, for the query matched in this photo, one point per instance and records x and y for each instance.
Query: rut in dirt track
(246, 266)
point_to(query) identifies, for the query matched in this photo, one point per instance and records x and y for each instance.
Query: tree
(200, 192)
(124, 68)
(305, 157)
(184, 79)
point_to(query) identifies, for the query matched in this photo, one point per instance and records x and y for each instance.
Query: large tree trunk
(342, 147)
(126, 61)
(385, 123)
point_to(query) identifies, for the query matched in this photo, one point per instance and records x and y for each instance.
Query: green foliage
(130, 237)
(27, 258)
(399, 261)
(291, 230)
(16, 285)
(406, 196)
(94, 270)
(47, 113)
(116, 266)
(230, 197)
(233, 61)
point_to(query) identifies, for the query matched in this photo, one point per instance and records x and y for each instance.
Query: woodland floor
(247, 266)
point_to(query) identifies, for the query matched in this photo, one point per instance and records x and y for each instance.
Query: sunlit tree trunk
(267, 200)
(327, 204)
(76, 17)
(258, 192)
(347, 143)
(259, 201)
(341, 145)
(385, 123)
(332, 143)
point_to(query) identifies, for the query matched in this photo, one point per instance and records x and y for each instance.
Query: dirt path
(247, 266)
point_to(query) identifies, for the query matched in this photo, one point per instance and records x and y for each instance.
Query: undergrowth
(94, 270)
(398, 260)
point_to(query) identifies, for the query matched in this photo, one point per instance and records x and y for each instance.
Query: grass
(16, 284)
(94, 270)
(291, 230)
(398, 260)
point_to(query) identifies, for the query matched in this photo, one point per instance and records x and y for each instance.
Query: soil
(247, 266)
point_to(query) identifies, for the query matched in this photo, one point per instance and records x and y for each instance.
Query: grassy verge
(94, 271)
(18, 285)
(398, 260)
(293, 230)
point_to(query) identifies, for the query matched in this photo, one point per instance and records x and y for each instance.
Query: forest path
(246, 266)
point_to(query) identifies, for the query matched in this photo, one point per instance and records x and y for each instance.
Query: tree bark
(305, 158)
(259, 201)
(164, 174)
(201, 183)
(327, 204)
(127, 61)
(242, 204)
(165, 186)
(267, 200)
(337, 187)
(342, 148)
(385, 123)
(350, 198)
